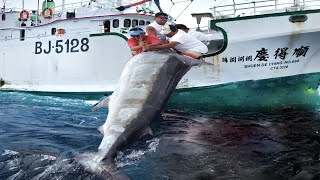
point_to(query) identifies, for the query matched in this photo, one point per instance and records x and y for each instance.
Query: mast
(37, 15)
(63, 3)
(4, 6)
(234, 7)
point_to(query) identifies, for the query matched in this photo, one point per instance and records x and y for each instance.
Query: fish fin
(101, 129)
(103, 103)
(192, 62)
(149, 131)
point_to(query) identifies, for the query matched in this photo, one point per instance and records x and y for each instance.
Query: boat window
(22, 34)
(3, 17)
(127, 23)
(106, 26)
(115, 23)
(53, 31)
(147, 22)
(141, 23)
(134, 22)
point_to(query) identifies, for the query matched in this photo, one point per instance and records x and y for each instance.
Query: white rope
(171, 7)
(183, 10)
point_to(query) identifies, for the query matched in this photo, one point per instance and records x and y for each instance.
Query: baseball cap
(165, 29)
(135, 31)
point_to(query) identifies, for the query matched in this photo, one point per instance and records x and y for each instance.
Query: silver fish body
(145, 85)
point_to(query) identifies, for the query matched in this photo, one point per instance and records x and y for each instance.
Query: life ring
(49, 16)
(24, 15)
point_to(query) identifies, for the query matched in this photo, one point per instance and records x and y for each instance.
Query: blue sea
(40, 135)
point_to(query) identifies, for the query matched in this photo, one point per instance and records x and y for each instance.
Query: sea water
(40, 136)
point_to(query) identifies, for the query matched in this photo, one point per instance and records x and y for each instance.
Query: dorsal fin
(103, 103)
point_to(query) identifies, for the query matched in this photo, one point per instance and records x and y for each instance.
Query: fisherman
(155, 27)
(181, 42)
(139, 39)
(205, 38)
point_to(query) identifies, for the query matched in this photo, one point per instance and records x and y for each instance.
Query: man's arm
(202, 37)
(160, 47)
(134, 48)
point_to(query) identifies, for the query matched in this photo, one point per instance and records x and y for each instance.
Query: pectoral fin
(193, 62)
(148, 130)
(103, 103)
(101, 129)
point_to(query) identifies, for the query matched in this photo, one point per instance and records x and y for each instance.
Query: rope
(171, 7)
(183, 1)
(183, 10)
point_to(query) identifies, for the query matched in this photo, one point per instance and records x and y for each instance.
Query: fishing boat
(264, 52)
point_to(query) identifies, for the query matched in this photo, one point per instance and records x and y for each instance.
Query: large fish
(145, 85)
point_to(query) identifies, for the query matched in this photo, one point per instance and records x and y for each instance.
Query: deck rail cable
(39, 36)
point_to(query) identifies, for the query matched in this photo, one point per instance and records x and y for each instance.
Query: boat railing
(262, 7)
(107, 5)
(72, 6)
(39, 36)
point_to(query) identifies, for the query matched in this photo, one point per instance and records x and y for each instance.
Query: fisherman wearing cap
(205, 38)
(182, 42)
(139, 39)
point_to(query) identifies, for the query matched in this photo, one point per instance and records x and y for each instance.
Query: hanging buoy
(24, 15)
(44, 13)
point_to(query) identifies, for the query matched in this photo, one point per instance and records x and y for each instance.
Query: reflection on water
(41, 135)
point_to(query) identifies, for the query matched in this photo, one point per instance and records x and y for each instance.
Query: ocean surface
(40, 136)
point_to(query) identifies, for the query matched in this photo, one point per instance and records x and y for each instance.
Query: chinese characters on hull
(281, 53)
(262, 55)
(302, 51)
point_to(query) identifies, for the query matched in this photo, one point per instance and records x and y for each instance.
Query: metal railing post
(234, 8)
(254, 7)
